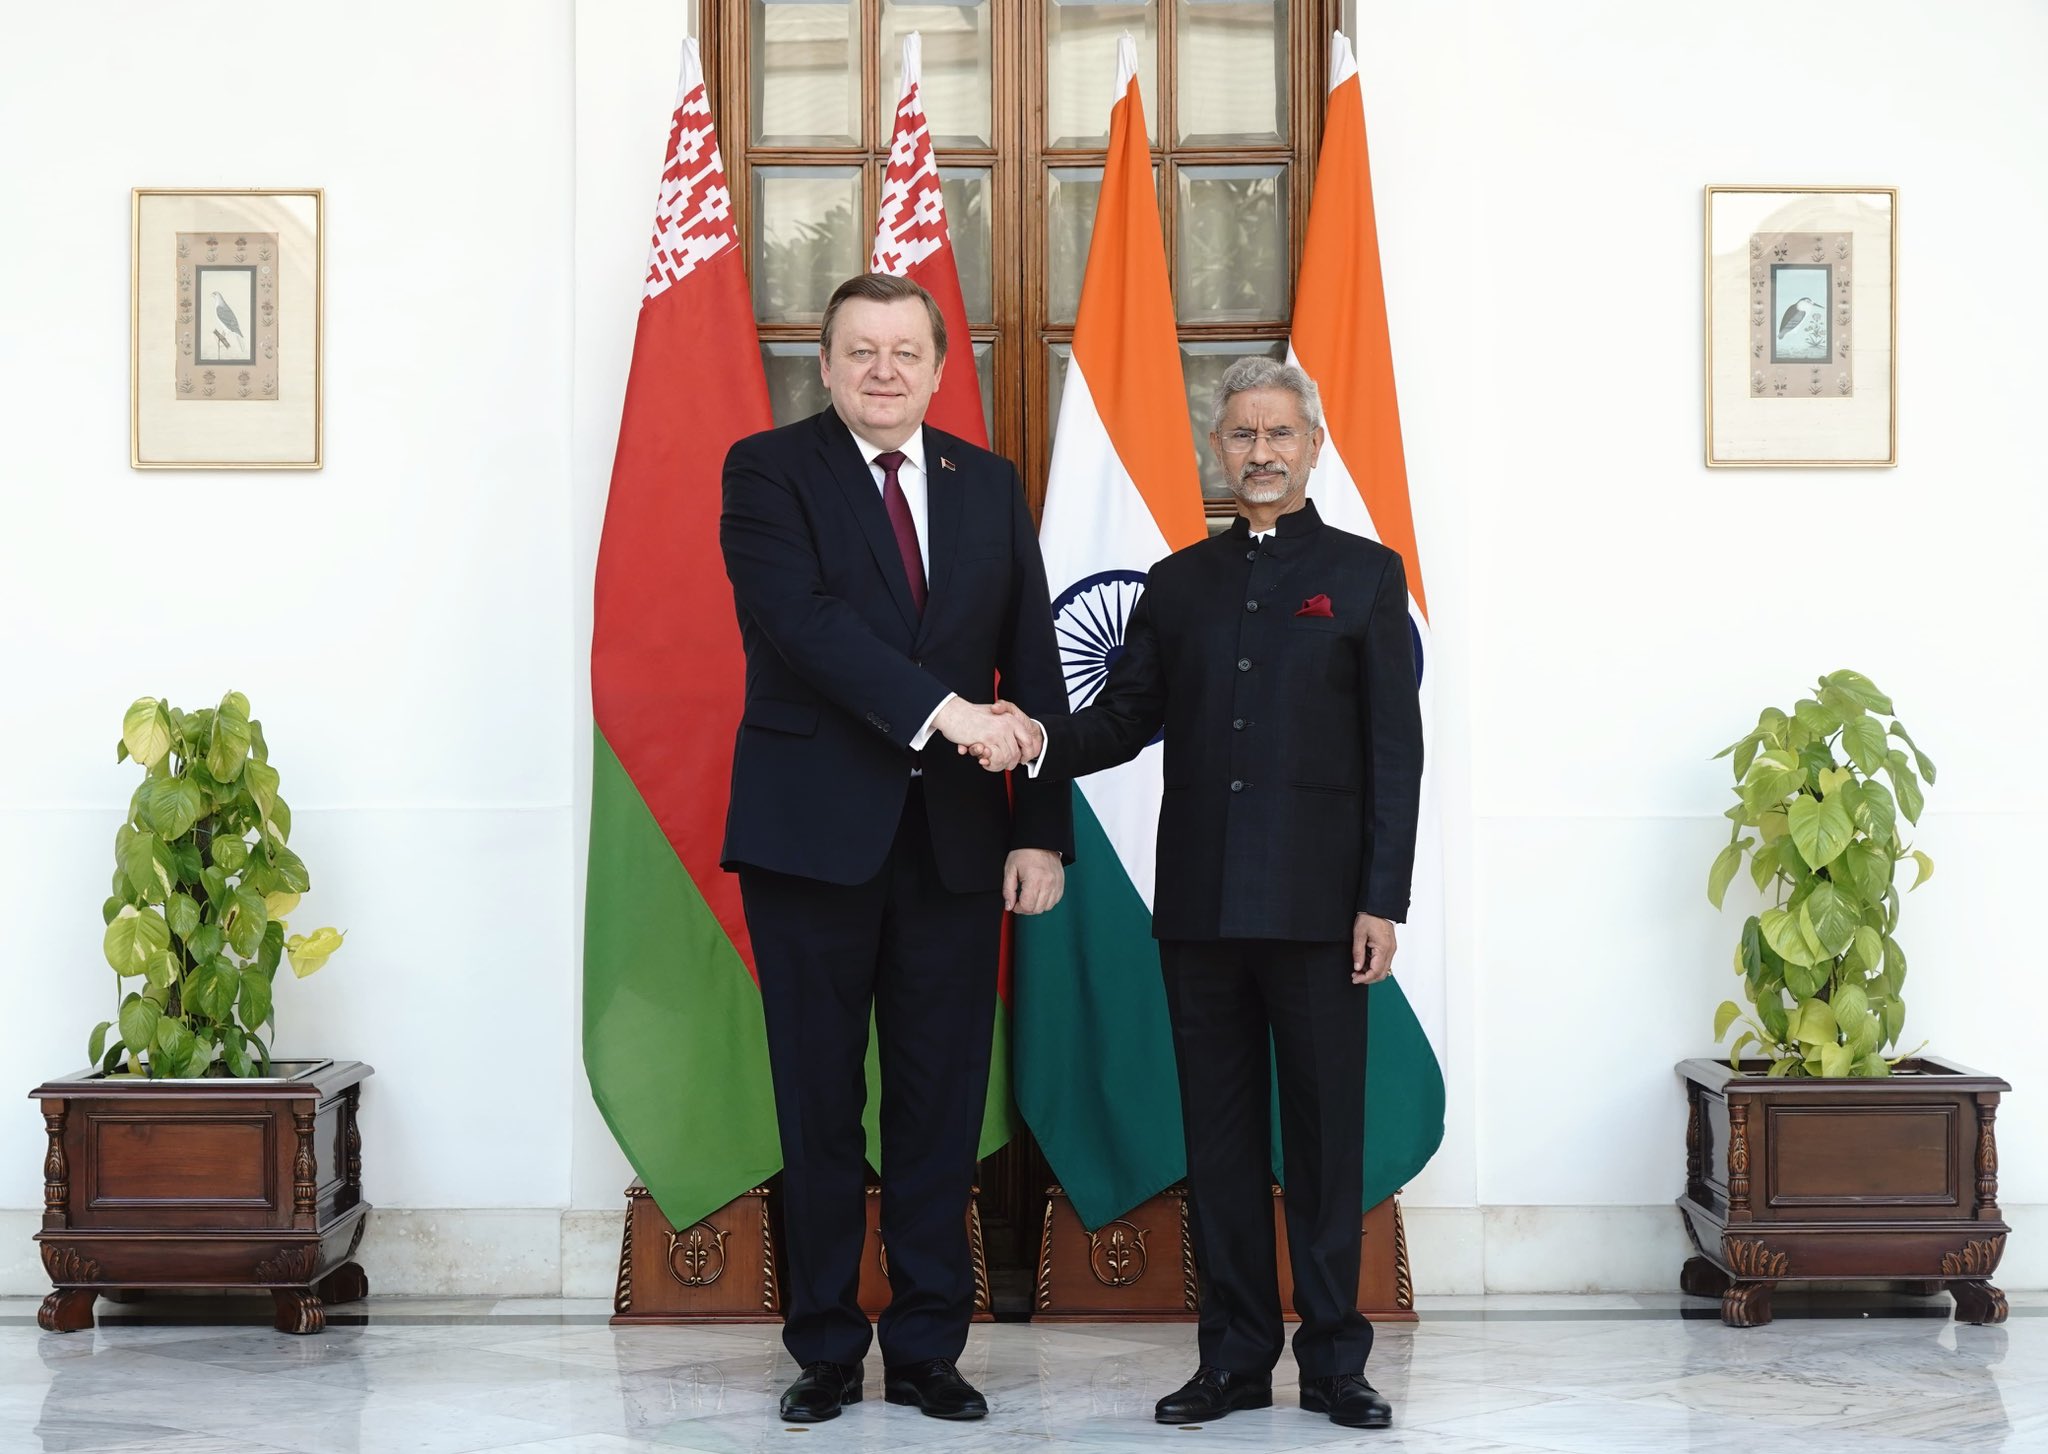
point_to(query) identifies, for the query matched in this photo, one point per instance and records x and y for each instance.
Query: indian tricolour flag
(674, 1038)
(1360, 484)
(1094, 1052)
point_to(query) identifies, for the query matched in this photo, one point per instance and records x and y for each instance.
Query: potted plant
(1818, 1152)
(184, 1155)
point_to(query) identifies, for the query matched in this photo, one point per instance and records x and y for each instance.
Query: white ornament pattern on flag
(693, 216)
(912, 224)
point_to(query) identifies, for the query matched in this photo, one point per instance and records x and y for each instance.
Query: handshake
(999, 737)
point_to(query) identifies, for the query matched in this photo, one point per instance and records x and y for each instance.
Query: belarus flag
(1360, 484)
(1094, 1073)
(673, 1035)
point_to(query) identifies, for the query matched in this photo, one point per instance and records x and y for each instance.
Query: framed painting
(224, 341)
(1802, 289)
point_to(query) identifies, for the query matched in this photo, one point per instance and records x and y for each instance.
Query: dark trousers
(924, 961)
(1229, 1000)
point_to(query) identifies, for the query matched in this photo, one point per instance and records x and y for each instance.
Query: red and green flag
(674, 1039)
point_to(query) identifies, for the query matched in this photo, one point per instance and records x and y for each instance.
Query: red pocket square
(1316, 606)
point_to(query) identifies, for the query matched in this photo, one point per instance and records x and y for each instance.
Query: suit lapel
(943, 507)
(842, 456)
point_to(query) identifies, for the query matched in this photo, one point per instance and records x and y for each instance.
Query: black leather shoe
(820, 1392)
(935, 1388)
(1349, 1400)
(1212, 1393)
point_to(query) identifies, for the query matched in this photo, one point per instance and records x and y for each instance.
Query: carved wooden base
(1978, 1302)
(719, 1270)
(1700, 1278)
(1141, 1266)
(1747, 1304)
(66, 1310)
(348, 1283)
(298, 1310)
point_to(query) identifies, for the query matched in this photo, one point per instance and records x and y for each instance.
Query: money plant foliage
(204, 878)
(1821, 791)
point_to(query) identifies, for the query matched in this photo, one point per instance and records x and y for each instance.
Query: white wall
(401, 621)
(1606, 611)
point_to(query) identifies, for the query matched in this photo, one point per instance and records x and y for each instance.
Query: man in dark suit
(884, 574)
(1278, 658)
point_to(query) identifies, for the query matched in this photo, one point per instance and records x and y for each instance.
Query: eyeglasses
(1239, 441)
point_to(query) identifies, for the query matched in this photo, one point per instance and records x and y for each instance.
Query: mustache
(1276, 469)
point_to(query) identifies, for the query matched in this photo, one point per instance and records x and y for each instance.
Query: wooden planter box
(213, 1183)
(1825, 1180)
(1142, 1265)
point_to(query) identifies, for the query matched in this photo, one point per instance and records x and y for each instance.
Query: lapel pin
(944, 463)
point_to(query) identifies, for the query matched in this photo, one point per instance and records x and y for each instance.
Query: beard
(1267, 485)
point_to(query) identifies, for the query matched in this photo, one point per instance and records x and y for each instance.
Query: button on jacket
(1293, 751)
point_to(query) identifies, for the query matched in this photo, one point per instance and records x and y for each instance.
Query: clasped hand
(999, 737)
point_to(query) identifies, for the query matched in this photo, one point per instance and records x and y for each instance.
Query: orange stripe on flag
(1340, 329)
(1124, 334)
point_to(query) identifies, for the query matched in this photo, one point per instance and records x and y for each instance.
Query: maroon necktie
(906, 528)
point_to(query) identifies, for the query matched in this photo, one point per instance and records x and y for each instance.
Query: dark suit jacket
(841, 672)
(1293, 742)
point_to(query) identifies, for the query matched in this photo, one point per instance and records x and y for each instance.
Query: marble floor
(1609, 1375)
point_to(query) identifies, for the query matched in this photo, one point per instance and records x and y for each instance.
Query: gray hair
(1261, 372)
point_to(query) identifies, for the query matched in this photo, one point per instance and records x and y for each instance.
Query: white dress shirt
(914, 481)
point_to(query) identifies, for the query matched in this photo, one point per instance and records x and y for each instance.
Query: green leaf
(1873, 1065)
(216, 885)
(136, 853)
(1925, 762)
(1831, 917)
(1820, 830)
(214, 996)
(138, 1019)
(234, 1050)
(1804, 980)
(307, 952)
(1926, 869)
(259, 780)
(134, 938)
(1851, 1007)
(1749, 950)
(1815, 718)
(1769, 782)
(1763, 865)
(146, 731)
(1863, 740)
(175, 804)
(1814, 1023)
(1866, 951)
(1834, 780)
(1781, 931)
(272, 952)
(1894, 966)
(1835, 1060)
(1859, 689)
(1725, 1016)
(206, 941)
(1894, 1020)
(182, 912)
(1725, 863)
(1907, 786)
(230, 853)
(245, 928)
(173, 1039)
(96, 1046)
(185, 865)
(292, 878)
(1864, 1036)
(160, 970)
(255, 997)
(1771, 1010)
(1875, 815)
(1864, 871)
(227, 752)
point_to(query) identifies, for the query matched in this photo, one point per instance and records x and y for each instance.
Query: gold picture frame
(226, 328)
(1801, 290)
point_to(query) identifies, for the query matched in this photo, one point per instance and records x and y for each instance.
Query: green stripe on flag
(1094, 1053)
(673, 1035)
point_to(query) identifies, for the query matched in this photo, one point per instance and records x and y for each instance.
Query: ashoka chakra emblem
(1089, 619)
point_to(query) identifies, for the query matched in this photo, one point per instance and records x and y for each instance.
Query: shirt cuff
(1044, 742)
(931, 723)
